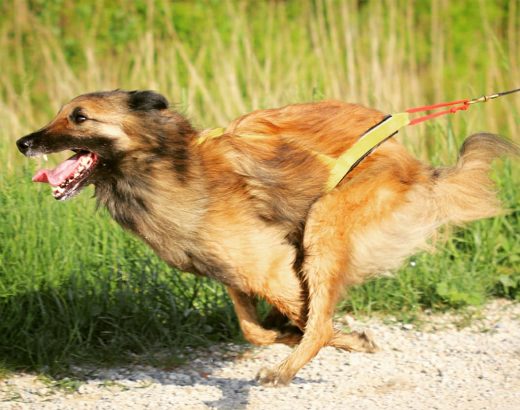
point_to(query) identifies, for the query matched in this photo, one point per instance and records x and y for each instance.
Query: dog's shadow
(235, 391)
(238, 396)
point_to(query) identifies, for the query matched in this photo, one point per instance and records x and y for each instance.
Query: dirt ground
(467, 360)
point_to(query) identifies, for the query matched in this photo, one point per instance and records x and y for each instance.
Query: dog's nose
(24, 144)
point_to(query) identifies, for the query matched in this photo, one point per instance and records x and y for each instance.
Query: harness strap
(341, 166)
(369, 141)
(209, 134)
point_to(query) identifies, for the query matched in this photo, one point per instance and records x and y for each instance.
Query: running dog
(249, 208)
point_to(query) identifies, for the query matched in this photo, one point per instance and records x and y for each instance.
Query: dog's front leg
(250, 325)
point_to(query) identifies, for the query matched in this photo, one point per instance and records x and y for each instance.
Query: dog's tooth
(45, 158)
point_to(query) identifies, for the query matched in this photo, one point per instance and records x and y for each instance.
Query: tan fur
(253, 213)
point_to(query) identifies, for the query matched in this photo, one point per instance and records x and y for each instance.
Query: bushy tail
(453, 195)
(465, 192)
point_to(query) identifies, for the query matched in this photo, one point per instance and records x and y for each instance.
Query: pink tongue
(59, 174)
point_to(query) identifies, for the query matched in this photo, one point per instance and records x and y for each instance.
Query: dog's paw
(355, 342)
(369, 345)
(272, 378)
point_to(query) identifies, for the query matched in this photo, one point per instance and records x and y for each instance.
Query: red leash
(459, 105)
(387, 128)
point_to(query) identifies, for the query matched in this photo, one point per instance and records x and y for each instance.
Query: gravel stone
(431, 364)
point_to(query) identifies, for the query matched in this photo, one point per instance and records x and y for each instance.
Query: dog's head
(104, 129)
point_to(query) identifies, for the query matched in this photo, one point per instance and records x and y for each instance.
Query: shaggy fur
(252, 212)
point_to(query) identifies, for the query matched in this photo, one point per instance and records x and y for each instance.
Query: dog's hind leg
(319, 270)
(331, 262)
(325, 260)
(251, 327)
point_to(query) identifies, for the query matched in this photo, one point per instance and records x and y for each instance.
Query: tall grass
(218, 60)
(74, 285)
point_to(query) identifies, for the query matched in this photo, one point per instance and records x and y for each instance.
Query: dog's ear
(146, 101)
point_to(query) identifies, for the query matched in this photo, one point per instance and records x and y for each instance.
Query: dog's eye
(78, 117)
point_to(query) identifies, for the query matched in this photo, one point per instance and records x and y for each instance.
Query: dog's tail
(465, 191)
(451, 195)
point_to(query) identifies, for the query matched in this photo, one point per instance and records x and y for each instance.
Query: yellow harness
(341, 166)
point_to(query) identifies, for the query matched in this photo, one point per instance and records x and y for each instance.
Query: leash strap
(455, 106)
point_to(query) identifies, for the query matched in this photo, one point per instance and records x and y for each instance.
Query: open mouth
(70, 176)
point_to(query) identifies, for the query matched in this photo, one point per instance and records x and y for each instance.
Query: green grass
(74, 287)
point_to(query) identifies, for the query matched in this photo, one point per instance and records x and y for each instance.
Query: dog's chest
(191, 256)
(174, 242)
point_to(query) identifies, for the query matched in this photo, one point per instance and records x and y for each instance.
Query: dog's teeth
(85, 160)
(72, 181)
(58, 190)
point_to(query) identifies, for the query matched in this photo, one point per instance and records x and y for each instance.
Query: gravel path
(427, 366)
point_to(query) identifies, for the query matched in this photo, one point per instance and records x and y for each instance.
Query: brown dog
(252, 212)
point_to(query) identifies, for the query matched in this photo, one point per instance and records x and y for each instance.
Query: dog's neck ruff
(346, 162)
